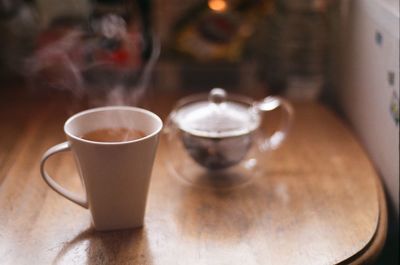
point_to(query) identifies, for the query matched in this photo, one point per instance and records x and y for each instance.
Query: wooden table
(320, 202)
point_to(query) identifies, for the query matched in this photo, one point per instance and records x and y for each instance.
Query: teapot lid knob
(217, 95)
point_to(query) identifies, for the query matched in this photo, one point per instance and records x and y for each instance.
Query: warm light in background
(217, 5)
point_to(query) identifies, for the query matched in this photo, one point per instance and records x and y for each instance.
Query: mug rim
(106, 108)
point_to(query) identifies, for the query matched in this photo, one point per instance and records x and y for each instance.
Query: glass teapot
(217, 139)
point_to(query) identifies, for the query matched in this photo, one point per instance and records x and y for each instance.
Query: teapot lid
(217, 116)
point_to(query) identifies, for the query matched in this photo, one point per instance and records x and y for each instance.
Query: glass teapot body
(216, 133)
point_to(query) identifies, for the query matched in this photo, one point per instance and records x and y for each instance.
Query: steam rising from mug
(103, 66)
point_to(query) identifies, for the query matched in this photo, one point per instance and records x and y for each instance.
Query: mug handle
(271, 103)
(62, 147)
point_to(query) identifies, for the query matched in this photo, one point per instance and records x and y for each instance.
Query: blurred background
(278, 46)
(343, 53)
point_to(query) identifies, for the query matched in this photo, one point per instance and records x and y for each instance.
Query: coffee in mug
(120, 134)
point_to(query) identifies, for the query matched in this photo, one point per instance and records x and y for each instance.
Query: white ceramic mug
(115, 175)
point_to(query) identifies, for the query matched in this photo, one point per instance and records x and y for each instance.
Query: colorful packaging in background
(104, 49)
(217, 30)
(287, 40)
(85, 47)
(292, 48)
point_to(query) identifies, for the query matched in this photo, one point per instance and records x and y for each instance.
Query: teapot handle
(271, 103)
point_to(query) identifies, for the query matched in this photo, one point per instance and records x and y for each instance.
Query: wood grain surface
(320, 201)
